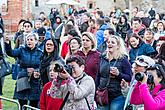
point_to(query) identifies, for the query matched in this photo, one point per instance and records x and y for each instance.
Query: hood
(103, 27)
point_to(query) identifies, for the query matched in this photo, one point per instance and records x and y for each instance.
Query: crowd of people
(64, 60)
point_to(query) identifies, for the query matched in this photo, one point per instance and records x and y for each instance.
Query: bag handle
(109, 76)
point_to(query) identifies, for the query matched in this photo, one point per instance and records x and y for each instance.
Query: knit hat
(41, 31)
(91, 37)
(78, 40)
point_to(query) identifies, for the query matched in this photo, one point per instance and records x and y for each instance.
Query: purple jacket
(153, 101)
(92, 60)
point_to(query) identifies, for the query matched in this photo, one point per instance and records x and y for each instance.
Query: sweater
(153, 101)
(47, 102)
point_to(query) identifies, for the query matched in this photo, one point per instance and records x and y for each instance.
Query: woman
(138, 47)
(151, 95)
(74, 45)
(115, 65)
(50, 54)
(29, 57)
(148, 38)
(89, 53)
(122, 26)
(160, 30)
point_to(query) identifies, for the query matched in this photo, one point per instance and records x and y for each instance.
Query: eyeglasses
(141, 60)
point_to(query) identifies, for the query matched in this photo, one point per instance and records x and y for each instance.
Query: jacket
(28, 59)
(122, 29)
(85, 88)
(153, 101)
(92, 60)
(100, 34)
(47, 102)
(141, 49)
(103, 75)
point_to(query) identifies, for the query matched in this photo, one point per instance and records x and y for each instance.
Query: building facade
(14, 10)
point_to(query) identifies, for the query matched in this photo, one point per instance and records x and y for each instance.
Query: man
(27, 29)
(41, 34)
(137, 27)
(100, 26)
(79, 86)
(107, 33)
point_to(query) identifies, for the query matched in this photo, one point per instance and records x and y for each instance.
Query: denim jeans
(116, 104)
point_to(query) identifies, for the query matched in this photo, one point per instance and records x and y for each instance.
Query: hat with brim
(144, 61)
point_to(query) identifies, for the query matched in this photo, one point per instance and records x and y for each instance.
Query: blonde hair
(121, 51)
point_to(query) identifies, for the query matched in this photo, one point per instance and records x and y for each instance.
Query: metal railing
(11, 100)
(30, 107)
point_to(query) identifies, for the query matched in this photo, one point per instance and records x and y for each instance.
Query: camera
(140, 76)
(60, 68)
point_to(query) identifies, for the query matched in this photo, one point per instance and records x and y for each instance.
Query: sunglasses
(141, 60)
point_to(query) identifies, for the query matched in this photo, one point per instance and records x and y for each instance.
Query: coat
(100, 34)
(28, 59)
(141, 49)
(153, 101)
(103, 75)
(85, 88)
(92, 60)
(47, 102)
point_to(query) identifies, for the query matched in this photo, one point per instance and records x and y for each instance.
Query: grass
(8, 89)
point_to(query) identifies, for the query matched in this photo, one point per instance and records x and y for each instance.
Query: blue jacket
(100, 34)
(28, 59)
(142, 49)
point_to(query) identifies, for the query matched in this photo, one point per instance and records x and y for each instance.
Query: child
(48, 99)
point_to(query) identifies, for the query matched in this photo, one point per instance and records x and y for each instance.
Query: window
(90, 5)
(36, 3)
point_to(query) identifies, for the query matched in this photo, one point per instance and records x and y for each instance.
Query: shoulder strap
(65, 99)
(87, 103)
(67, 95)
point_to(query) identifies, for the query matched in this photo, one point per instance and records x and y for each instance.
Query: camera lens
(58, 68)
(139, 76)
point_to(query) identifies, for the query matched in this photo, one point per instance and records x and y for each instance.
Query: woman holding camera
(152, 94)
(27, 85)
(79, 88)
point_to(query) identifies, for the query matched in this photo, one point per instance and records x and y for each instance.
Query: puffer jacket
(103, 75)
(84, 88)
(141, 49)
(28, 59)
(100, 34)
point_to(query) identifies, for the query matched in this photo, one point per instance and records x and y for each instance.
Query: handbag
(102, 96)
(23, 84)
(15, 70)
(5, 68)
(102, 93)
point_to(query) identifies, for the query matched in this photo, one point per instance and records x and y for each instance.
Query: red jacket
(47, 102)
